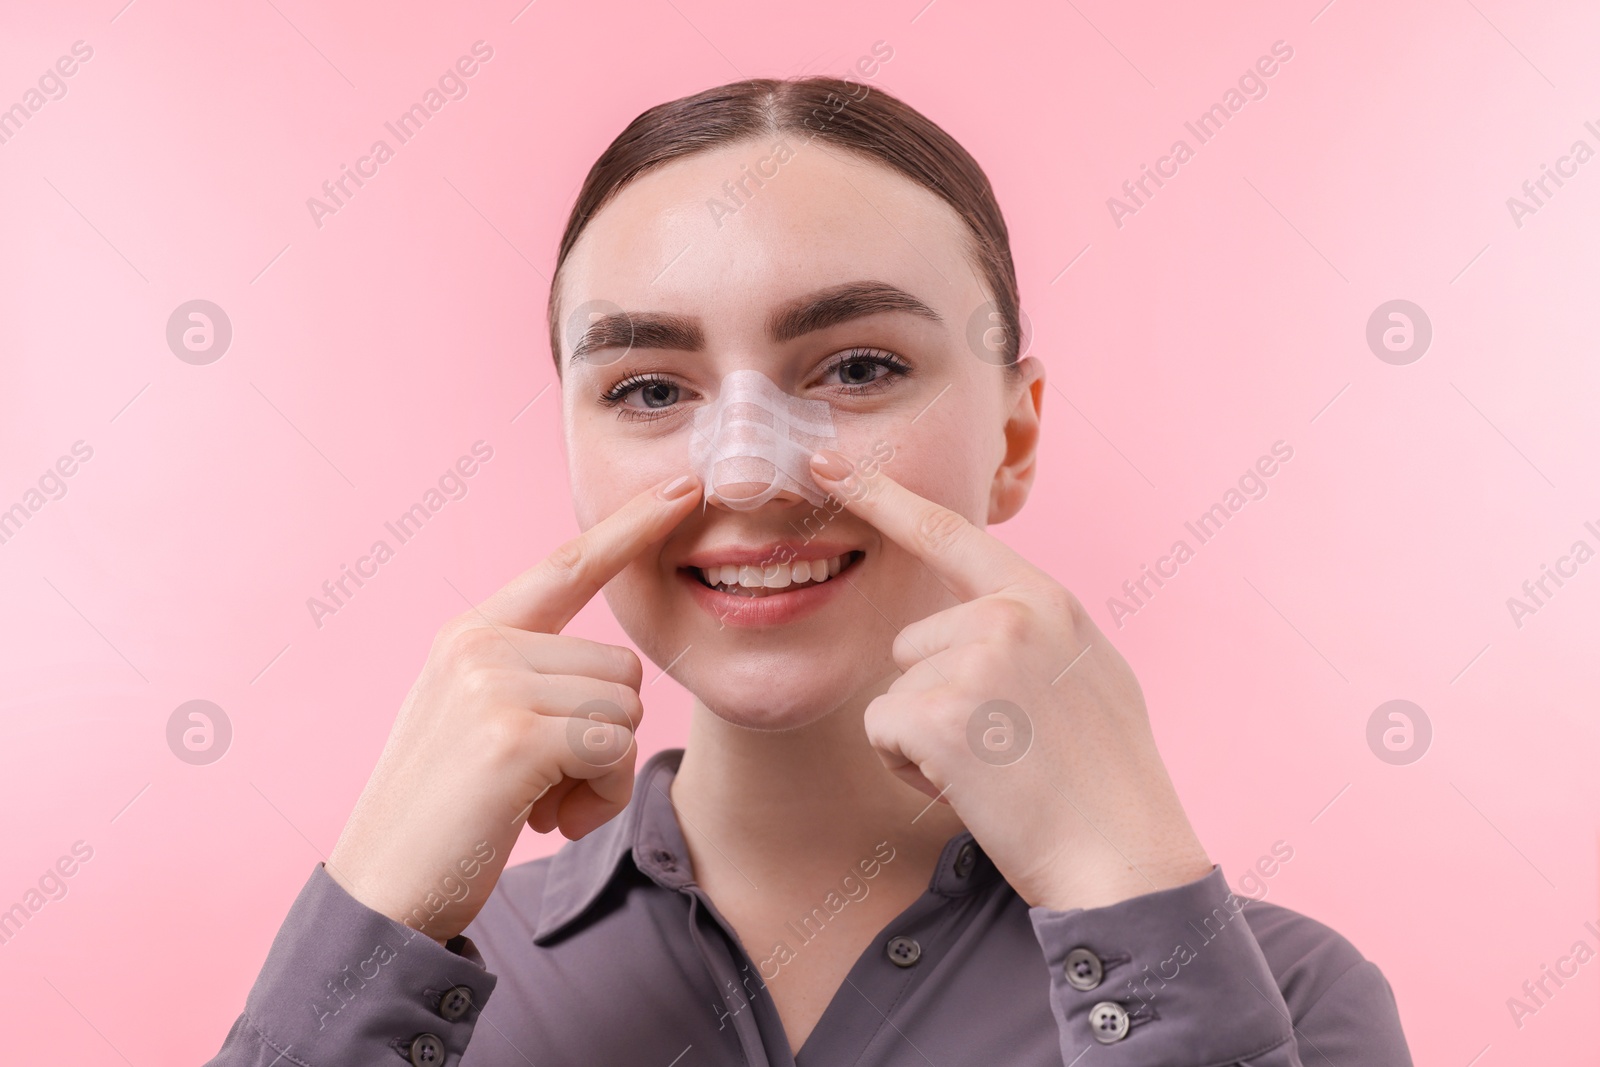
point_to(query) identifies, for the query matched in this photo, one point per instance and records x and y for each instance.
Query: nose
(747, 496)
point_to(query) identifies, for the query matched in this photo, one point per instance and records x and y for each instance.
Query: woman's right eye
(642, 396)
(656, 394)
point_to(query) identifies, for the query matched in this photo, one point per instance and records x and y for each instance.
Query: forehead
(752, 224)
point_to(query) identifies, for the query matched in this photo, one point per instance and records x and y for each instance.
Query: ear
(1014, 477)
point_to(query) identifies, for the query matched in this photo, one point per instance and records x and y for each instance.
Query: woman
(920, 817)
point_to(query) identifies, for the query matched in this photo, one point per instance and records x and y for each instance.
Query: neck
(769, 806)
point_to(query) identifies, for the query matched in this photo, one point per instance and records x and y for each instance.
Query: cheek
(634, 597)
(610, 463)
(940, 456)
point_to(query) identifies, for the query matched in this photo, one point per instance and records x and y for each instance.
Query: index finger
(546, 596)
(969, 561)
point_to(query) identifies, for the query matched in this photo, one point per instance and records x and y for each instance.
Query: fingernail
(679, 486)
(830, 464)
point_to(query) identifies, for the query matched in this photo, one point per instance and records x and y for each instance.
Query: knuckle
(940, 528)
(1063, 604)
(504, 739)
(906, 649)
(948, 718)
(467, 647)
(599, 743)
(626, 663)
(478, 686)
(447, 634)
(1007, 621)
(568, 562)
(878, 719)
(626, 698)
(972, 669)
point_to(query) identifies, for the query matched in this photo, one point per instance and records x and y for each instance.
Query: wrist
(1092, 885)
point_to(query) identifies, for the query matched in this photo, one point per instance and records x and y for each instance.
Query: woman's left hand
(1015, 709)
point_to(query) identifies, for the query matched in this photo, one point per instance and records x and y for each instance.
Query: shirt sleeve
(346, 986)
(1177, 978)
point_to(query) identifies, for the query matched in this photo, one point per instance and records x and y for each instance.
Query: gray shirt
(609, 953)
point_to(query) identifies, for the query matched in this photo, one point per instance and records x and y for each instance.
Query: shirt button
(1109, 1022)
(966, 859)
(1084, 969)
(903, 951)
(427, 1051)
(455, 1003)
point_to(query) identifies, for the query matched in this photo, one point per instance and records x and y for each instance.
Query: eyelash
(614, 396)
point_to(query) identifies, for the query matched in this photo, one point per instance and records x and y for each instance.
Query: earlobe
(1014, 477)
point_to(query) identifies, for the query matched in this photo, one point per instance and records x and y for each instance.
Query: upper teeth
(773, 575)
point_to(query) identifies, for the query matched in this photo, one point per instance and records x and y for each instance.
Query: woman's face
(707, 291)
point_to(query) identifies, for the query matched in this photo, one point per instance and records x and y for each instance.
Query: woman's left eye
(863, 369)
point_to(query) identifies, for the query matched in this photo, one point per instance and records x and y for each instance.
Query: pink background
(1228, 313)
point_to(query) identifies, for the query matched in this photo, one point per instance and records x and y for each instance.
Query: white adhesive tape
(756, 441)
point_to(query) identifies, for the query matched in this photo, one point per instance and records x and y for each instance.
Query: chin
(766, 692)
(760, 681)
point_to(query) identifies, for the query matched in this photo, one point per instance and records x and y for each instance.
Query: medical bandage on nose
(756, 441)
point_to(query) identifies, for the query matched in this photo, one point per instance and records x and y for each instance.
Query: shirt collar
(647, 832)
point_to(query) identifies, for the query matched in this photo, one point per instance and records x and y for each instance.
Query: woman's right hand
(509, 722)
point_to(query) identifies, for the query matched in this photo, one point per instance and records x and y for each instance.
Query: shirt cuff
(345, 985)
(1169, 978)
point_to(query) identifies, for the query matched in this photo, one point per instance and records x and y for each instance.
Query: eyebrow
(807, 314)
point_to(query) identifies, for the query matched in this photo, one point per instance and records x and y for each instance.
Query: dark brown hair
(847, 114)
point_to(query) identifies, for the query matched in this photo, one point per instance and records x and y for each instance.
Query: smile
(749, 580)
(739, 587)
